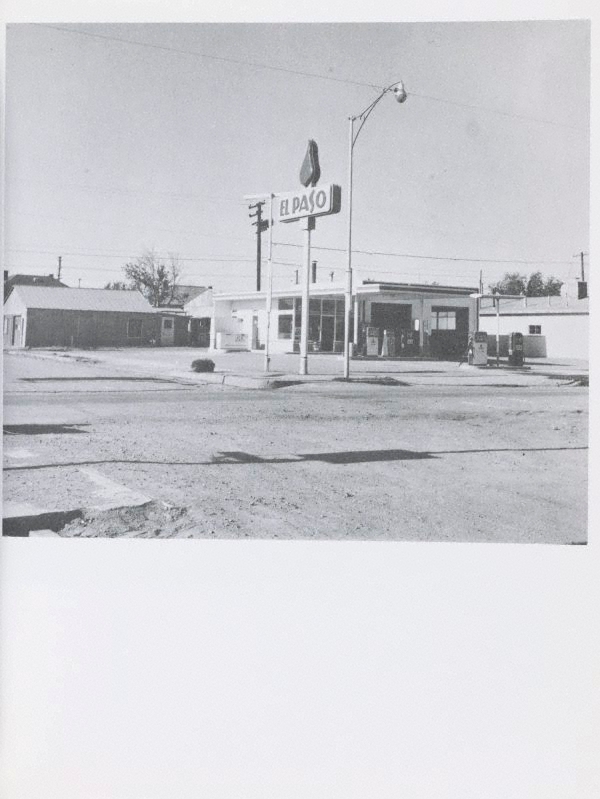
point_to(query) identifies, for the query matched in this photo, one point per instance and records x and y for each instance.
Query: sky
(122, 138)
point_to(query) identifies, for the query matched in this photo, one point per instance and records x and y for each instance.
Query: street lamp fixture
(399, 92)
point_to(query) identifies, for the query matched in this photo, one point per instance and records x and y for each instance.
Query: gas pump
(515, 349)
(372, 341)
(478, 351)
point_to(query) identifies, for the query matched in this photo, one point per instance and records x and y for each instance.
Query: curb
(274, 380)
(21, 526)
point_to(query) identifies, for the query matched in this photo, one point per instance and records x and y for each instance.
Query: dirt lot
(414, 457)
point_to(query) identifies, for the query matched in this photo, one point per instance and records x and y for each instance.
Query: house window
(134, 328)
(167, 324)
(535, 330)
(443, 320)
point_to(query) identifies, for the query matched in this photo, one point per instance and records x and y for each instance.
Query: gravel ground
(410, 460)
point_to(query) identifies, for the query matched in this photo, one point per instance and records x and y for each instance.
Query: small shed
(41, 316)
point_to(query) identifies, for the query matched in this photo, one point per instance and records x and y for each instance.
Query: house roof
(67, 299)
(183, 294)
(536, 306)
(33, 280)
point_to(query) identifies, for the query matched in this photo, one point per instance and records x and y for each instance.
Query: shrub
(203, 365)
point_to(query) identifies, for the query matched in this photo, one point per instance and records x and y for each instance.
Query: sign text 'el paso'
(312, 201)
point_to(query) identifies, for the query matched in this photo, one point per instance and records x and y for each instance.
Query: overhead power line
(240, 259)
(216, 258)
(498, 111)
(430, 257)
(238, 61)
(142, 190)
(302, 73)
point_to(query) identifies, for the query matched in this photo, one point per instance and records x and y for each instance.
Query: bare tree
(156, 278)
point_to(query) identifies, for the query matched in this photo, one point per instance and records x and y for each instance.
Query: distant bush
(203, 365)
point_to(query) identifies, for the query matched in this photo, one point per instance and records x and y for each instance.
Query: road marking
(11, 510)
(18, 454)
(109, 494)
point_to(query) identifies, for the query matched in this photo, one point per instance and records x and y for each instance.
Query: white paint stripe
(110, 494)
(12, 510)
(18, 454)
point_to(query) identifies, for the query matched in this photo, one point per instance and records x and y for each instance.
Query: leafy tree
(155, 278)
(533, 286)
(552, 286)
(511, 283)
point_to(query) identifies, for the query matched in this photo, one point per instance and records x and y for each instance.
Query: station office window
(285, 326)
(167, 324)
(443, 320)
(134, 328)
(285, 306)
(535, 330)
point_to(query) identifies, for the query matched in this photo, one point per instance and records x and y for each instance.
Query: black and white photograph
(319, 281)
(302, 294)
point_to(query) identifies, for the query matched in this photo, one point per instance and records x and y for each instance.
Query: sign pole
(498, 333)
(308, 227)
(269, 285)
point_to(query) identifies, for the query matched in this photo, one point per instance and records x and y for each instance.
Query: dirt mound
(152, 520)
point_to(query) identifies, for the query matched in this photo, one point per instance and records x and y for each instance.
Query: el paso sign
(312, 201)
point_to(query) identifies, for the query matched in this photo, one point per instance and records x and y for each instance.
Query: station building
(552, 326)
(389, 319)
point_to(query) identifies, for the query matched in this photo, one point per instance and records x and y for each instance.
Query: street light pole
(400, 93)
(348, 298)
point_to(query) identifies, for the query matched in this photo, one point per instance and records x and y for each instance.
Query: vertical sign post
(309, 226)
(269, 284)
(498, 332)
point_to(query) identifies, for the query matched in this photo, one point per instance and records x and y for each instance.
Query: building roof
(421, 288)
(183, 294)
(366, 287)
(34, 280)
(31, 280)
(536, 306)
(67, 299)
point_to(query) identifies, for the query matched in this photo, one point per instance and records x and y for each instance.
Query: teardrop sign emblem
(310, 171)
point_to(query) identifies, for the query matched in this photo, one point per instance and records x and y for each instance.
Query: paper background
(151, 670)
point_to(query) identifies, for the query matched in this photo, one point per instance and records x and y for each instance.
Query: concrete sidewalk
(246, 369)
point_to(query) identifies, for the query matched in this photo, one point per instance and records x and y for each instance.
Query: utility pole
(261, 225)
(581, 255)
(59, 265)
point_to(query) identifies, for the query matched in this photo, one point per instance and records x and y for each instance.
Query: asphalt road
(322, 460)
